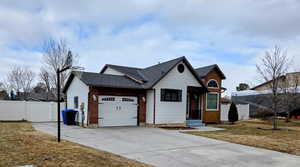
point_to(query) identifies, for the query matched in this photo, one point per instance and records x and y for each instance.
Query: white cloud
(231, 33)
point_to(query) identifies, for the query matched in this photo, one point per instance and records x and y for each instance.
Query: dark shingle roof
(203, 71)
(139, 78)
(156, 72)
(106, 80)
(149, 75)
(130, 71)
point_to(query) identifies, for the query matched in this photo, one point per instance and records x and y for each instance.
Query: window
(212, 101)
(108, 99)
(212, 84)
(172, 95)
(127, 99)
(180, 68)
(76, 102)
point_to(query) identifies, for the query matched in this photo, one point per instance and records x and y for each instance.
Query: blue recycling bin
(69, 116)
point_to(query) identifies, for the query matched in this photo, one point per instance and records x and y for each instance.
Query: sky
(234, 34)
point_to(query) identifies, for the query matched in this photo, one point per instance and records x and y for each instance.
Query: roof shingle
(106, 80)
(138, 78)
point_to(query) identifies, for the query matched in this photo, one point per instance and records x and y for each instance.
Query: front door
(194, 112)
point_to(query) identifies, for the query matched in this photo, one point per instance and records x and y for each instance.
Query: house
(288, 80)
(260, 97)
(3, 95)
(171, 92)
(35, 96)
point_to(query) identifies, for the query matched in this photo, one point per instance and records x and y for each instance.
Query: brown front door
(194, 112)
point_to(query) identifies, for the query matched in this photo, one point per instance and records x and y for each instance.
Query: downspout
(88, 108)
(154, 101)
(138, 109)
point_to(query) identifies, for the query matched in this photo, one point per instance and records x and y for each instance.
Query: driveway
(165, 148)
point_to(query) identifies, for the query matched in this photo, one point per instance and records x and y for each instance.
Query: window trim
(216, 83)
(218, 101)
(163, 99)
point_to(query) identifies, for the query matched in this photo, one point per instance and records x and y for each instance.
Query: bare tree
(27, 80)
(14, 78)
(20, 79)
(56, 53)
(45, 78)
(2, 87)
(273, 66)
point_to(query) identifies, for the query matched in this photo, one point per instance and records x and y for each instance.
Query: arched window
(212, 84)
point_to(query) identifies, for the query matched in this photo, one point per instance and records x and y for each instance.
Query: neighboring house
(286, 81)
(3, 95)
(260, 96)
(35, 96)
(172, 92)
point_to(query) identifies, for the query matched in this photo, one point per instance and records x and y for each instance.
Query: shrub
(233, 113)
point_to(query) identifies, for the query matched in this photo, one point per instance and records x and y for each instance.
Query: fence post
(26, 117)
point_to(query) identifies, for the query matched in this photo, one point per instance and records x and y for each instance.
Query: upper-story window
(180, 68)
(212, 84)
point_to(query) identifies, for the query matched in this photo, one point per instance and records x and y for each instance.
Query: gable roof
(156, 72)
(267, 82)
(138, 78)
(103, 80)
(151, 75)
(285, 76)
(130, 71)
(203, 71)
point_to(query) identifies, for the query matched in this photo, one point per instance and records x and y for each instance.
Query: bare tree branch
(20, 79)
(55, 56)
(45, 78)
(272, 68)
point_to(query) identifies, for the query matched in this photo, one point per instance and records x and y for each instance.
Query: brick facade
(98, 91)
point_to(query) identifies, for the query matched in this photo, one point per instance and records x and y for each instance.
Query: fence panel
(243, 111)
(28, 110)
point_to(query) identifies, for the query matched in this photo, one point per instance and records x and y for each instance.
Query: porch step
(194, 123)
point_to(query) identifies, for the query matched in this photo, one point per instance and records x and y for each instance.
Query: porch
(194, 108)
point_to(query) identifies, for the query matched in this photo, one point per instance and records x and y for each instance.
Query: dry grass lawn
(258, 133)
(20, 144)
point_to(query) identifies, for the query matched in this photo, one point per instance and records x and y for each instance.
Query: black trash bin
(69, 116)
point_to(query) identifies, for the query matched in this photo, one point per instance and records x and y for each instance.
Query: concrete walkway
(166, 148)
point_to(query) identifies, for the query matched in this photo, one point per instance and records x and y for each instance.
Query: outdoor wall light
(94, 97)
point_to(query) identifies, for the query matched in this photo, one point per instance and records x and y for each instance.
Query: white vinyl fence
(28, 110)
(243, 111)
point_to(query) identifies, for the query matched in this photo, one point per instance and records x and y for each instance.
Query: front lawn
(258, 133)
(20, 144)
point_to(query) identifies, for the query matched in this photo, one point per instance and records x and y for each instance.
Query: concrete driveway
(165, 148)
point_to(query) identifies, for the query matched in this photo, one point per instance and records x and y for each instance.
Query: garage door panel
(117, 111)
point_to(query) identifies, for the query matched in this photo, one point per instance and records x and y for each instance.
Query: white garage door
(117, 111)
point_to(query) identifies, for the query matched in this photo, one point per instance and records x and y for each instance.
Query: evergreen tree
(233, 113)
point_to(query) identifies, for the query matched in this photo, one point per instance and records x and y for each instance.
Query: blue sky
(233, 34)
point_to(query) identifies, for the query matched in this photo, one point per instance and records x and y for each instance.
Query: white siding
(78, 88)
(243, 111)
(173, 112)
(112, 71)
(149, 106)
